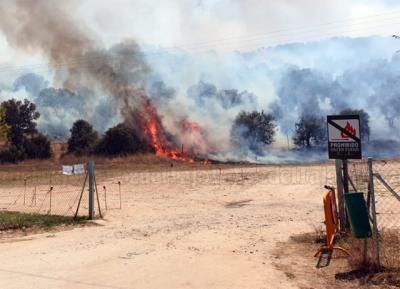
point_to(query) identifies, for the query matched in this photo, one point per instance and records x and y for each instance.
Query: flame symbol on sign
(350, 130)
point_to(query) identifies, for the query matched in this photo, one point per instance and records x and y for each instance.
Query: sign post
(344, 142)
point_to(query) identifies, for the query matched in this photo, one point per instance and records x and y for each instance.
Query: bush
(12, 155)
(37, 147)
(120, 140)
(83, 138)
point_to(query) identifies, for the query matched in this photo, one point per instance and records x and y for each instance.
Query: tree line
(257, 130)
(18, 129)
(252, 131)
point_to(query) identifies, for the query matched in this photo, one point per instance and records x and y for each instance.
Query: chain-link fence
(387, 197)
(386, 183)
(379, 180)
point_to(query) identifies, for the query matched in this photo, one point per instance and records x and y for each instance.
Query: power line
(280, 36)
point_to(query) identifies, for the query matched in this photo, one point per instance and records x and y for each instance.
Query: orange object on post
(331, 223)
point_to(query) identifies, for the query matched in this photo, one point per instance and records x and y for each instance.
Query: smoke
(31, 82)
(118, 72)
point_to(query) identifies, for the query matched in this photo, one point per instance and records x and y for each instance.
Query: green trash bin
(358, 215)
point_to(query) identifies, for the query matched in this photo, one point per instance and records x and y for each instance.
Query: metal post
(51, 196)
(105, 197)
(24, 190)
(91, 189)
(340, 196)
(120, 195)
(373, 209)
(345, 176)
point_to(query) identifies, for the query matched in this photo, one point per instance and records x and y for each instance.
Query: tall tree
(309, 131)
(20, 118)
(364, 121)
(3, 124)
(83, 138)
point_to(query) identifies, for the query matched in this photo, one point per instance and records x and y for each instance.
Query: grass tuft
(20, 221)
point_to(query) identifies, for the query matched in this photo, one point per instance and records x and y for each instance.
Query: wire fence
(42, 193)
(51, 192)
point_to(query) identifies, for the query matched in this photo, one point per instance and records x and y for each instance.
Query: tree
(20, 118)
(254, 130)
(120, 140)
(17, 119)
(309, 131)
(83, 138)
(364, 121)
(3, 124)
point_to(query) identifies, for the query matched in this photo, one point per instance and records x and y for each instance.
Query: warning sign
(344, 139)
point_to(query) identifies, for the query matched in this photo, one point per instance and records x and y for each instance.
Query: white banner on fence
(77, 169)
(68, 170)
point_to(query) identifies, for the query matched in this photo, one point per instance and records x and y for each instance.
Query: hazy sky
(236, 24)
(202, 25)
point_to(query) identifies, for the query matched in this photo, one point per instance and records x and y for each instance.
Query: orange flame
(148, 121)
(155, 132)
(351, 130)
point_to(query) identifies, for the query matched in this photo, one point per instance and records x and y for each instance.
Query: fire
(189, 126)
(155, 133)
(350, 130)
(148, 121)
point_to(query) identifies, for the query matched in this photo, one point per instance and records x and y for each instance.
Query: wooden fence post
(340, 196)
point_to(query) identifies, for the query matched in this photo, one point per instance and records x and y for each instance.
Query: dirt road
(178, 232)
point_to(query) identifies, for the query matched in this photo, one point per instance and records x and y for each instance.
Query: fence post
(340, 197)
(374, 218)
(24, 190)
(91, 189)
(51, 196)
(120, 195)
(105, 197)
(345, 176)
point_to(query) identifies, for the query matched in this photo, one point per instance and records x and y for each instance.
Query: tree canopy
(309, 131)
(20, 118)
(83, 138)
(253, 129)
(120, 140)
(17, 123)
(364, 121)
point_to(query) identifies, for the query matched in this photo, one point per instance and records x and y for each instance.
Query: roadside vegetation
(22, 221)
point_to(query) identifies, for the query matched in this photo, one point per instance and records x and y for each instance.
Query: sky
(222, 25)
(235, 24)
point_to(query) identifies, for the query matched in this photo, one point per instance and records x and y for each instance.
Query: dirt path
(177, 235)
